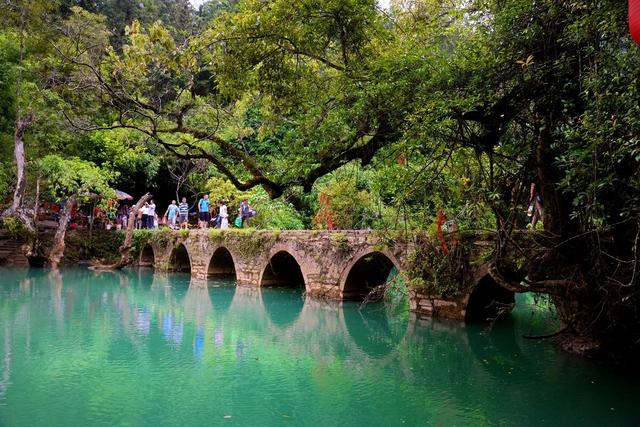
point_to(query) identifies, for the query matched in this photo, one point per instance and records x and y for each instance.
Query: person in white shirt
(144, 220)
(224, 216)
(152, 214)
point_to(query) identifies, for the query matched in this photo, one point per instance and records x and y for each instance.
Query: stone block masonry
(337, 265)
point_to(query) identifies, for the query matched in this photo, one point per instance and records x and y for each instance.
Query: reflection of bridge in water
(343, 265)
(287, 315)
(205, 312)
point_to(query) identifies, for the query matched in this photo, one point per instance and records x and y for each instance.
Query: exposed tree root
(376, 294)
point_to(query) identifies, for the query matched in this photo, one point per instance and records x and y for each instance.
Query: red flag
(634, 19)
(441, 220)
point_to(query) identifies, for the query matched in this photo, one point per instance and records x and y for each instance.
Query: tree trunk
(125, 249)
(22, 123)
(32, 252)
(57, 252)
(557, 209)
(36, 201)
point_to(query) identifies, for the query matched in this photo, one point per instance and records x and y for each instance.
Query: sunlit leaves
(74, 177)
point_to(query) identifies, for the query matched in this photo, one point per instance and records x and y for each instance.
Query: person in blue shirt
(203, 208)
(172, 214)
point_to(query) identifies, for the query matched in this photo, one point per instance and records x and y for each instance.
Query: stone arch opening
(283, 271)
(369, 271)
(487, 300)
(179, 260)
(147, 256)
(221, 265)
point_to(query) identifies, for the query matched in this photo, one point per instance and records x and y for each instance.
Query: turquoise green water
(138, 349)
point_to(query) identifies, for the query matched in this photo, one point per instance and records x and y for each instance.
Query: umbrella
(121, 195)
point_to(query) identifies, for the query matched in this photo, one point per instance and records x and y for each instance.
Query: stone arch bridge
(338, 265)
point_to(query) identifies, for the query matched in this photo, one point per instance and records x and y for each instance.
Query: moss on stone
(249, 244)
(102, 245)
(340, 241)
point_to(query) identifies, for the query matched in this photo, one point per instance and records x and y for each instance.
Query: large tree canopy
(457, 105)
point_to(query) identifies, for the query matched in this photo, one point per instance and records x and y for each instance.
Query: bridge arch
(487, 300)
(179, 260)
(283, 270)
(222, 264)
(364, 272)
(147, 256)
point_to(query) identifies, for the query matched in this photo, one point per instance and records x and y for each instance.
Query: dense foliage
(353, 116)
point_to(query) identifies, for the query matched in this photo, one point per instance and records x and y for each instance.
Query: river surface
(79, 348)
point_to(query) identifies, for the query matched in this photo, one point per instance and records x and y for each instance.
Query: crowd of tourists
(177, 215)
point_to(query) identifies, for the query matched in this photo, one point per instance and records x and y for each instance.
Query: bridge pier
(248, 277)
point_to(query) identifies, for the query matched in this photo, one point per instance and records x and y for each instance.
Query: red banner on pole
(441, 220)
(634, 19)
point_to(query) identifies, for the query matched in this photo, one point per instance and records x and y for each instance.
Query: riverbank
(81, 247)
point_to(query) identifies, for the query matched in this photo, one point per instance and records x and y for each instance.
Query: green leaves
(75, 177)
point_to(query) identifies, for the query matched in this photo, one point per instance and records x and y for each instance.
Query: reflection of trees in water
(145, 278)
(436, 356)
(55, 279)
(162, 293)
(496, 348)
(197, 303)
(246, 306)
(123, 279)
(172, 328)
(25, 285)
(464, 362)
(6, 368)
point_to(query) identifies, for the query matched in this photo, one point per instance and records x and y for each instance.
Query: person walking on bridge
(172, 214)
(245, 213)
(183, 210)
(144, 218)
(203, 208)
(151, 215)
(224, 216)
